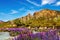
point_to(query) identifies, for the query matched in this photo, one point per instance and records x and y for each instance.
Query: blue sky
(12, 9)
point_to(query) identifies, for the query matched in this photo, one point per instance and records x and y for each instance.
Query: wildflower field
(26, 34)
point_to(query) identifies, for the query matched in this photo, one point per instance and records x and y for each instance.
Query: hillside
(1, 21)
(42, 18)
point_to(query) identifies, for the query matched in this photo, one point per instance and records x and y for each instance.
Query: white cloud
(30, 11)
(44, 2)
(33, 3)
(4, 14)
(21, 9)
(14, 11)
(58, 3)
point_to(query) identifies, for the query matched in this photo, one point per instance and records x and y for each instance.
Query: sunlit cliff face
(45, 13)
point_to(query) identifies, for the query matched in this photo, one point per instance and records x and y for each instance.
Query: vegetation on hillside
(43, 18)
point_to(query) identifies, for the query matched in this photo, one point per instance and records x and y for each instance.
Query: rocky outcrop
(45, 13)
(24, 19)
